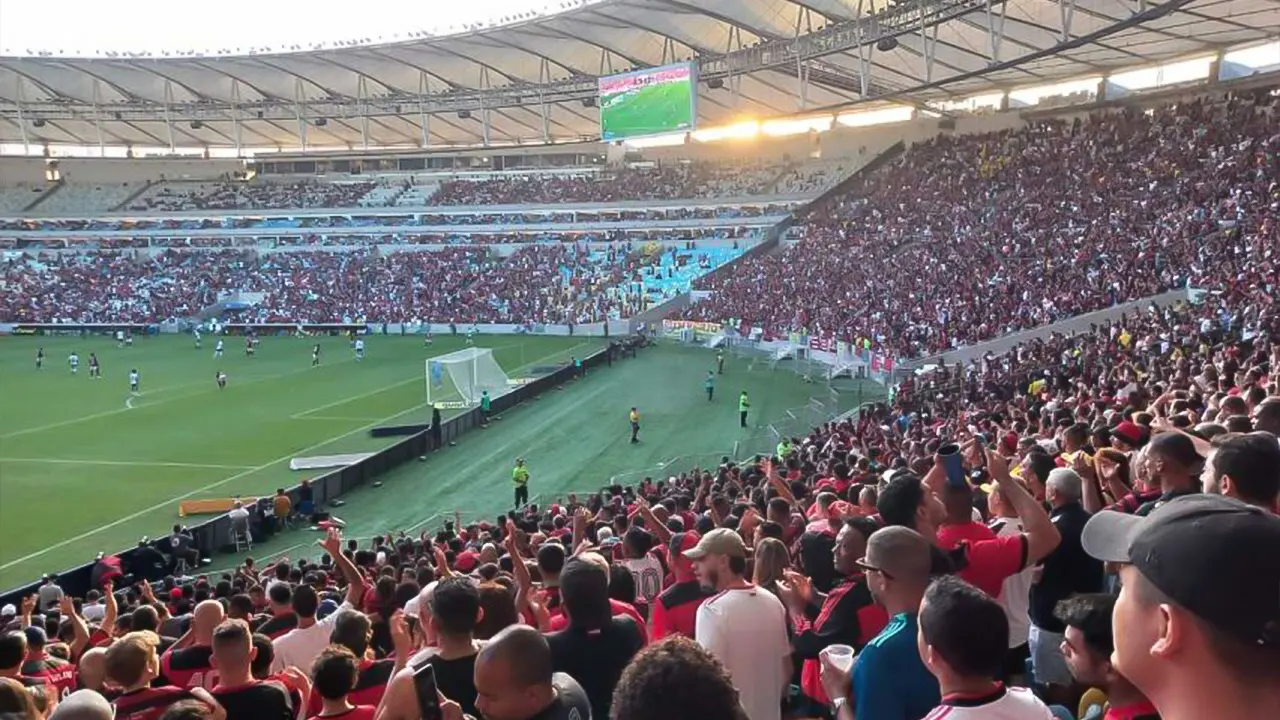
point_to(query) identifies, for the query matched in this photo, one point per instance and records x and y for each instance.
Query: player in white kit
(133, 381)
(217, 349)
(74, 361)
(359, 350)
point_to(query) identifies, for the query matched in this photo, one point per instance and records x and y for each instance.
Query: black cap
(1211, 554)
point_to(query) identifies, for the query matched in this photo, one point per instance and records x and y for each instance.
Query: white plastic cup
(840, 656)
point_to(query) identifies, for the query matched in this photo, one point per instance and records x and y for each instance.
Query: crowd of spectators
(662, 182)
(953, 538)
(267, 195)
(538, 283)
(971, 237)
(1082, 527)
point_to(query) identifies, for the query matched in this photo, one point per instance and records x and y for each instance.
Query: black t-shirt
(596, 658)
(256, 701)
(571, 701)
(456, 680)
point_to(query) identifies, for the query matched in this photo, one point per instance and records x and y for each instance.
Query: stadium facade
(532, 80)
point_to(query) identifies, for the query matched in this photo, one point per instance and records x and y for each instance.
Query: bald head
(900, 552)
(93, 668)
(83, 705)
(523, 651)
(207, 616)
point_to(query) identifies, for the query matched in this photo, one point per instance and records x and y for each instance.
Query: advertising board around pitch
(654, 101)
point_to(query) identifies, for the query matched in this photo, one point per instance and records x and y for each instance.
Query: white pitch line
(179, 498)
(122, 463)
(220, 483)
(128, 407)
(305, 414)
(331, 418)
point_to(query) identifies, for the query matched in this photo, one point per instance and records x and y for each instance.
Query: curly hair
(676, 679)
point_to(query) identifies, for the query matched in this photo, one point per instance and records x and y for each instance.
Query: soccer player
(217, 349)
(315, 355)
(95, 370)
(74, 361)
(428, 339)
(720, 362)
(119, 338)
(359, 349)
(520, 476)
(744, 405)
(249, 344)
(634, 417)
(128, 338)
(221, 378)
(486, 403)
(710, 384)
(133, 381)
(471, 335)
(195, 332)
(39, 358)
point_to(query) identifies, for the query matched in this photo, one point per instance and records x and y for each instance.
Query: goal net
(457, 379)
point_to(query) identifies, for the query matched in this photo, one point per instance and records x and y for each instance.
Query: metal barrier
(214, 535)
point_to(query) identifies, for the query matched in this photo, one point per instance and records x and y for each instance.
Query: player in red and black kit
(95, 369)
(133, 663)
(676, 609)
(243, 696)
(249, 346)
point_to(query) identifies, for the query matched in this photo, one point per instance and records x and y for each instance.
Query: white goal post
(457, 379)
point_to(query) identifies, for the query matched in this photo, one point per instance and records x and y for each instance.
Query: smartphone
(424, 686)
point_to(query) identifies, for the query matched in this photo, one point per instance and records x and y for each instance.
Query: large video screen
(648, 102)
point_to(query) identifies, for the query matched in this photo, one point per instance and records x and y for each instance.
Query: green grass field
(660, 108)
(80, 472)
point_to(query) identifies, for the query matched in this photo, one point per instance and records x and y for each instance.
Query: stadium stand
(953, 537)
(1017, 229)
(72, 198)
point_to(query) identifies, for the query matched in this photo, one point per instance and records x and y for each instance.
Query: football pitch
(660, 108)
(86, 468)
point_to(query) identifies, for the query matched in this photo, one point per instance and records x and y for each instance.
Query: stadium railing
(213, 536)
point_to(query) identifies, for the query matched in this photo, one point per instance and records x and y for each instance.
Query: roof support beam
(1067, 14)
(22, 121)
(995, 28)
(97, 117)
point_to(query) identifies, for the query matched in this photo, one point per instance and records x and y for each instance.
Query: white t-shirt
(1013, 704)
(747, 631)
(301, 646)
(1015, 593)
(647, 572)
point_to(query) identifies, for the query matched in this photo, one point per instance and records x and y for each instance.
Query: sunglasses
(862, 563)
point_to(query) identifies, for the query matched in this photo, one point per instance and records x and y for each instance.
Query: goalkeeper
(520, 476)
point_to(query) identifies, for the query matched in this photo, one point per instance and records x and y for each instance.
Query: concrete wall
(1071, 326)
(88, 171)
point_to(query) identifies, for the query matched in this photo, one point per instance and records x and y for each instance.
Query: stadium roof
(397, 93)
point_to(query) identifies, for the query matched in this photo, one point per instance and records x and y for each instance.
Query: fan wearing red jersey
(336, 672)
(244, 697)
(188, 663)
(132, 663)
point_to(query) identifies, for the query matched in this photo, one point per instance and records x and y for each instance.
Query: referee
(520, 476)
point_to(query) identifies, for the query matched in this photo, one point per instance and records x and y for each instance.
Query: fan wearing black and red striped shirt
(132, 662)
(336, 673)
(244, 697)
